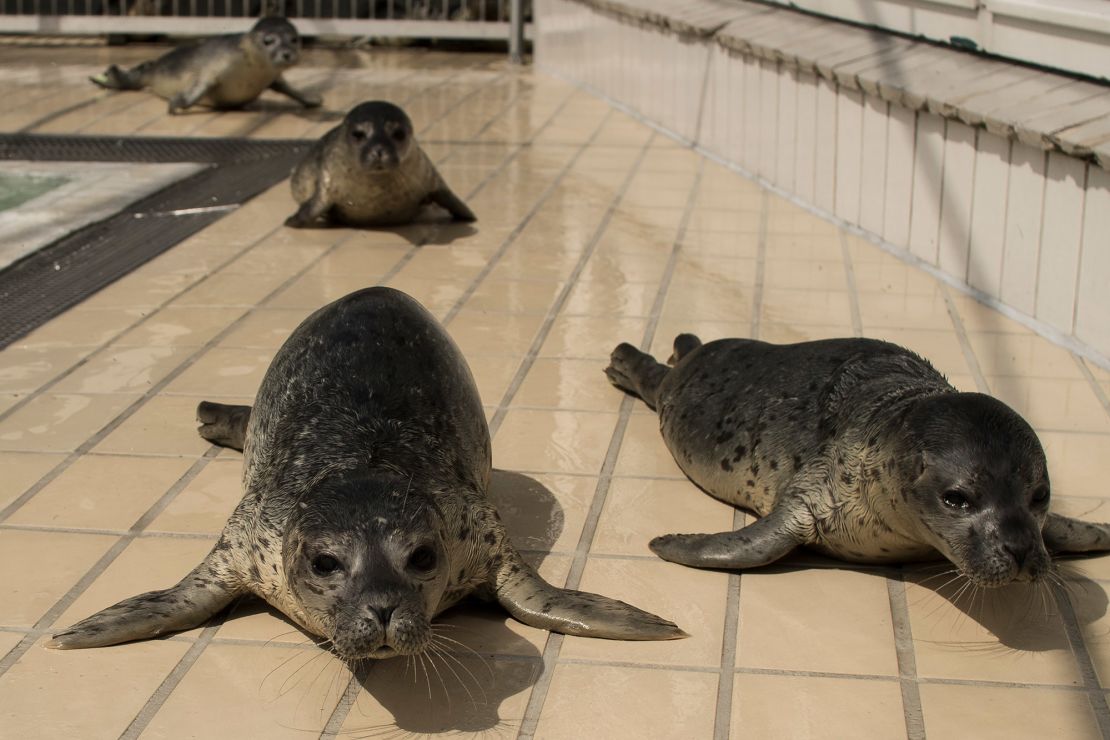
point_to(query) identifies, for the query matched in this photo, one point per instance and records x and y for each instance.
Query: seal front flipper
(760, 543)
(223, 424)
(537, 603)
(190, 97)
(1064, 534)
(448, 201)
(195, 599)
(310, 211)
(307, 99)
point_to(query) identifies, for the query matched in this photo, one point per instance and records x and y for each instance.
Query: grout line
(1083, 663)
(342, 709)
(1096, 388)
(760, 266)
(171, 681)
(722, 721)
(850, 279)
(907, 660)
(564, 293)
(530, 721)
(965, 343)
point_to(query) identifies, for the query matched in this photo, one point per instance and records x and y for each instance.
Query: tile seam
(968, 351)
(340, 712)
(726, 677)
(1083, 663)
(536, 701)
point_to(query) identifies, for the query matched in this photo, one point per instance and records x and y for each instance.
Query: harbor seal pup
(370, 171)
(223, 71)
(365, 469)
(856, 448)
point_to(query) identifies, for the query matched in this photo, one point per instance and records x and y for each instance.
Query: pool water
(17, 189)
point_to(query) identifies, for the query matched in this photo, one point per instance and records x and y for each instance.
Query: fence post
(516, 31)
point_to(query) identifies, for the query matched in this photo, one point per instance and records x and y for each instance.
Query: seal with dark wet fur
(366, 466)
(370, 171)
(856, 448)
(223, 71)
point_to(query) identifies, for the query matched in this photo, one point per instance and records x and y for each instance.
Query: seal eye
(399, 134)
(1040, 495)
(324, 565)
(358, 134)
(269, 40)
(955, 500)
(423, 559)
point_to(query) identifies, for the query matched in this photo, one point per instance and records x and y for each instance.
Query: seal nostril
(383, 613)
(1020, 553)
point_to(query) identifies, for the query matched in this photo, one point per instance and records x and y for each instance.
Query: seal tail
(115, 78)
(636, 372)
(537, 603)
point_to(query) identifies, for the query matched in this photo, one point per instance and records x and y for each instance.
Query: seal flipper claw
(760, 543)
(196, 598)
(1063, 534)
(537, 603)
(223, 424)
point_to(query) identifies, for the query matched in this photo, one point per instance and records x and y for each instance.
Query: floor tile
(553, 441)
(60, 422)
(91, 493)
(205, 503)
(955, 711)
(164, 425)
(636, 510)
(626, 703)
(60, 560)
(817, 707)
(22, 470)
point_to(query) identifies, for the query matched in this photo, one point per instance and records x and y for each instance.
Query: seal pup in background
(223, 72)
(366, 464)
(856, 448)
(369, 171)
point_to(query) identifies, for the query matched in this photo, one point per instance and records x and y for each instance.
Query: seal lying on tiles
(366, 465)
(856, 448)
(369, 171)
(224, 71)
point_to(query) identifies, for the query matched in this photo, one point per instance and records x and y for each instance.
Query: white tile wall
(1028, 228)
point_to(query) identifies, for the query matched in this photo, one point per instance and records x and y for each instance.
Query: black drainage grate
(64, 273)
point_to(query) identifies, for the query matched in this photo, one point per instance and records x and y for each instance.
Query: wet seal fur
(856, 448)
(223, 71)
(366, 465)
(370, 171)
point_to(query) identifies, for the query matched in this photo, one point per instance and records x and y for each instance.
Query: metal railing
(434, 19)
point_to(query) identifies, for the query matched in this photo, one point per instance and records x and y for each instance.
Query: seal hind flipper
(1064, 534)
(760, 543)
(537, 603)
(115, 78)
(684, 344)
(635, 372)
(195, 599)
(448, 201)
(223, 424)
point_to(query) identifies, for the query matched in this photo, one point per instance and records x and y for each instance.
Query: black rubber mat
(64, 273)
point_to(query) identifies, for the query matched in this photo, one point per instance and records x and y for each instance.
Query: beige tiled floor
(593, 229)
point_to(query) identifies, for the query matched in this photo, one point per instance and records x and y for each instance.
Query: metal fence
(434, 19)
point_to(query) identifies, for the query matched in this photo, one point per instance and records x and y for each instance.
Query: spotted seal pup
(223, 72)
(369, 171)
(366, 465)
(856, 448)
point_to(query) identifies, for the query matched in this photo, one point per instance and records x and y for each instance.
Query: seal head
(365, 559)
(279, 38)
(980, 486)
(378, 135)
